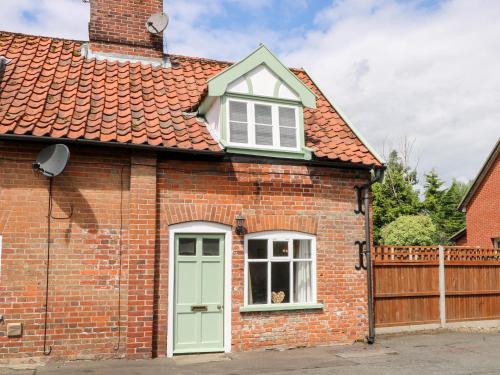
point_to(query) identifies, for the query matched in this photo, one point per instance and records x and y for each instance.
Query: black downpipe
(371, 319)
(363, 195)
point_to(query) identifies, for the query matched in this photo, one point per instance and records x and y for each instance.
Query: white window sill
(282, 307)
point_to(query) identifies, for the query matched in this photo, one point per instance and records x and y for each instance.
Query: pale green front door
(199, 293)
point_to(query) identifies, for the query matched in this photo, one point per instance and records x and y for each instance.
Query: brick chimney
(118, 27)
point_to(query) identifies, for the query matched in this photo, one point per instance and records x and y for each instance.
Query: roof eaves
(458, 234)
(480, 176)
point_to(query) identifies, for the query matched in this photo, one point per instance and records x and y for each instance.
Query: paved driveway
(422, 354)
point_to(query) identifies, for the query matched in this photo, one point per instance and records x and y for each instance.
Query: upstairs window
(263, 125)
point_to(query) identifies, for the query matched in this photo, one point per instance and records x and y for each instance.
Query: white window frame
(273, 236)
(275, 123)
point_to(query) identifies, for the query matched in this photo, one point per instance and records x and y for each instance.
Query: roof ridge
(207, 59)
(14, 33)
(169, 55)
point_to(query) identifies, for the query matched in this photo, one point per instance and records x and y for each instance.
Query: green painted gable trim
(217, 85)
(304, 154)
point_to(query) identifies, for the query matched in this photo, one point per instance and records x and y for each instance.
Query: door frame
(200, 227)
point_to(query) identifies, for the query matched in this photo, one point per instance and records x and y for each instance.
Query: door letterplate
(197, 308)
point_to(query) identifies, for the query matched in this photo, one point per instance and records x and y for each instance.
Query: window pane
(187, 246)
(280, 282)
(302, 282)
(287, 117)
(280, 248)
(237, 111)
(238, 132)
(302, 249)
(263, 114)
(257, 249)
(210, 247)
(288, 137)
(264, 135)
(257, 283)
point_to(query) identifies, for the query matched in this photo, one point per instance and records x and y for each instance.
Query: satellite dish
(157, 23)
(52, 160)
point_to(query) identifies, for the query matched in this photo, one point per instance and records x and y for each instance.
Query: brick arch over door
(176, 214)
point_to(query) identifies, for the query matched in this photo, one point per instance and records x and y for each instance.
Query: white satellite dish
(157, 23)
(52, 160)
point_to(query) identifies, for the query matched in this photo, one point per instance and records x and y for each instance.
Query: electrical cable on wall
(50, 162)
(49, 214)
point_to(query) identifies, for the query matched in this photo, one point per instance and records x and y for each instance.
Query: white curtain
(302, 291)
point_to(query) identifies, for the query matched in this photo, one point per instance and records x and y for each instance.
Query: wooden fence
(435, 284)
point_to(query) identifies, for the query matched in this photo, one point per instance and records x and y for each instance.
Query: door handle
(198, 308)
(219, 307)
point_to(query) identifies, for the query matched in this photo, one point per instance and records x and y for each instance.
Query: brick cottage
(480, 205)
(206, 206)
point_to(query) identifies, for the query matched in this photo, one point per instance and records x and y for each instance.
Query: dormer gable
(256, 106)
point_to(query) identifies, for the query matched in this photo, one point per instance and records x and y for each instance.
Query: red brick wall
(483, 211)
(83, 278)
(142, 242)
(118, 26)
(110, 189)
(320, 201)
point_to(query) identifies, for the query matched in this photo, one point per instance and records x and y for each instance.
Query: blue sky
(421, 70)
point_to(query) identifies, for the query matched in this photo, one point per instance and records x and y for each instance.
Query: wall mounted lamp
(240, 228)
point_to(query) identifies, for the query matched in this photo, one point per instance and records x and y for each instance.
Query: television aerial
(157, 23)
(52, 160)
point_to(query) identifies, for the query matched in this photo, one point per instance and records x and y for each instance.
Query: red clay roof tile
(50, 90)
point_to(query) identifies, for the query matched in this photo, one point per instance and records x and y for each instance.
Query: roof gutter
(179, 151)
(130, 146)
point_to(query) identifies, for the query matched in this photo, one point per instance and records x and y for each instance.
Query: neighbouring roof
(490, 160)
(458, 235)
(49, 90)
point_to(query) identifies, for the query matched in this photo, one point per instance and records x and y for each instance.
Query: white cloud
(399, 70)
(62, 18)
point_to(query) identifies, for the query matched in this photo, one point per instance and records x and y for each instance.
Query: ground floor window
(280, 268)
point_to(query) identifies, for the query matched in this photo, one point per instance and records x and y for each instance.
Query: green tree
(453, 220)
(433, 203)
(416, 230)
(441, 206)
(395, 195)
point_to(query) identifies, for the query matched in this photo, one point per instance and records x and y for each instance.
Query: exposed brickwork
(119, 26)
(314, 200)
(482, 212)
(83, 293)
(83, 277)
(141, 273)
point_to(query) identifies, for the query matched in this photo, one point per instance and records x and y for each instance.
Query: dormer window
(256, 107)
(260, 124)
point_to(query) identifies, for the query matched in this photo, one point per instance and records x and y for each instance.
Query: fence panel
(472, 283)
(406, 284)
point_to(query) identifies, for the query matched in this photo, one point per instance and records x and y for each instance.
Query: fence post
(442, 288)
